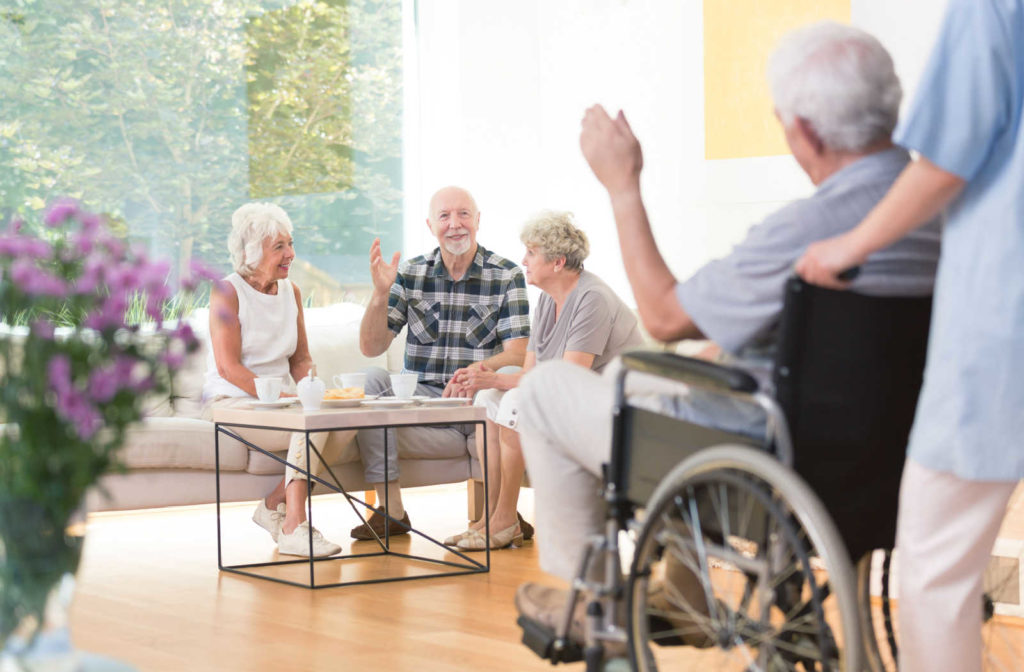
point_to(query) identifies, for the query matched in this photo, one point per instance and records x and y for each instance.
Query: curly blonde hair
(554, 233)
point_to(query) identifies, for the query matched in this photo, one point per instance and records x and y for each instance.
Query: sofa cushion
(178, 443)
(157, 406)
(187, 399)
(333, 335)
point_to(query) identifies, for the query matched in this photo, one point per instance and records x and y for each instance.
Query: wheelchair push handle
(849, 275)
(689, 370)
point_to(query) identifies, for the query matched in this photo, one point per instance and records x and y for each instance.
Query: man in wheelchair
(837, 97)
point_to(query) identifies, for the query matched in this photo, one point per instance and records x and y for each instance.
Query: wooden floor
(149, 593)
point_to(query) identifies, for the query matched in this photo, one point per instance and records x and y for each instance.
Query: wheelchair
(757, 552)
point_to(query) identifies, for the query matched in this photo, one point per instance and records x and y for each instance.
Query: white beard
(457, 248)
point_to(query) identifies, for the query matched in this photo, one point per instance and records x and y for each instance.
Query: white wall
(501, 87)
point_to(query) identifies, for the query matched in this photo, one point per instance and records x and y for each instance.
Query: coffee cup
(403, 385)
(350, 380)
(268, 388)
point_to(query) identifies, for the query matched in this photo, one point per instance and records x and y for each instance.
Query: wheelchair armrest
(698, 372)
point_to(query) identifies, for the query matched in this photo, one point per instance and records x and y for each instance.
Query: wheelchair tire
(760, 579)
(1002, 646)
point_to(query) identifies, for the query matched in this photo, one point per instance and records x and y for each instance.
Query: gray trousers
(417, 441)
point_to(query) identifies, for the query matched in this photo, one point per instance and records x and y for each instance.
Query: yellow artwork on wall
(739, 121)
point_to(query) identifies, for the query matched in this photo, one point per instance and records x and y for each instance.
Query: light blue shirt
(967, 120)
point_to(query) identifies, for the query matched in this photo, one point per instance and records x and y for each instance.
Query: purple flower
(154, 309)
(122, 279)
(92, 275)
(35, 281)
(81, 243)
(24, 247)
(198, 273)
(99, 275)
(173, 359)
(91, 223)
(75, 408)
(110, 315)
(123, 365)
(58, 373)
(185, 334)
(104, 384)
(60, 212)
(114, 247)
(36, 249)
(43, 329)
(152, 277)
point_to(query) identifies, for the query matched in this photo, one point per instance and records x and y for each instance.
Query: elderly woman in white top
(578, 319)
(257, 329)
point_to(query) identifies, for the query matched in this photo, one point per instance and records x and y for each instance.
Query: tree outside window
(168, 114)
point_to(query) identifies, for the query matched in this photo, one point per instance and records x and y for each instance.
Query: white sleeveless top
(270, 334)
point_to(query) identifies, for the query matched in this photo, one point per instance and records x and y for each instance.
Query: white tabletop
(294, 418)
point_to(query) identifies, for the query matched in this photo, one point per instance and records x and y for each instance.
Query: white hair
(251, 224)
(841, 80)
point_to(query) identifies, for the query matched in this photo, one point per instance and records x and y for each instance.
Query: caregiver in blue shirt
(966, 450)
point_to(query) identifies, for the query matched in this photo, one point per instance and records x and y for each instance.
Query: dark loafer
(376, 524)
(526, 528)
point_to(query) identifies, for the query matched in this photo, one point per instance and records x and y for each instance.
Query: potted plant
(73, 377)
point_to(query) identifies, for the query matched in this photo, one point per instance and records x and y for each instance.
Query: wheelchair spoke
(752, 601)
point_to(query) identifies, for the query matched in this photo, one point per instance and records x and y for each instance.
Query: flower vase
(39, 554)
(38, 559)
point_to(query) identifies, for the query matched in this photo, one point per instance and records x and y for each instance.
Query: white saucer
(444, 401)
(387, 403)
(277, 403)
(341, 403)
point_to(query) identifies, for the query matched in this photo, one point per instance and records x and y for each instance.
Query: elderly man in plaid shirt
(465, 307)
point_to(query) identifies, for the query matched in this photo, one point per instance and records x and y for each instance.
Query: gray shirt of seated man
(736, 301)
(594, 319)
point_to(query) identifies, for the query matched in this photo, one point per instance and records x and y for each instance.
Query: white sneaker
(297, 543)
(270, 521)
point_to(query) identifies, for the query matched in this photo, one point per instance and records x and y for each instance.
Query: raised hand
(611, 149)
(382, 273)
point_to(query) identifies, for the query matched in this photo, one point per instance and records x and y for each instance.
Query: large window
(169, 114)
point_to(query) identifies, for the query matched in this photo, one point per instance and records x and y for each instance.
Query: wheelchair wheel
(1002, 628)
(738, 567)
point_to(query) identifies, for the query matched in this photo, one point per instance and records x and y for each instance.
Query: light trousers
(329, 444)
(945, 532)
(565, 430)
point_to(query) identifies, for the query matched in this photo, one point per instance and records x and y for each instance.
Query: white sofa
(169, 456)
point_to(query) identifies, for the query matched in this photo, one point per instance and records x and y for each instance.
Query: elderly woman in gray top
(578, 319)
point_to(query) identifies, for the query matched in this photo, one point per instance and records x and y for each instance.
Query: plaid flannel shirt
(455, 323)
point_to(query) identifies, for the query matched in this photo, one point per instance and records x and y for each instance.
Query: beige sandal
(456, 538)
(476, 541)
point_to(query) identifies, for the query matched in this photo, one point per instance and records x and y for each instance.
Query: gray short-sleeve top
(594, 319)
(736, 301)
